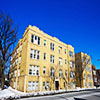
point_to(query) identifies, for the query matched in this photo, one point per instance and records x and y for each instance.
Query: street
(83, 95)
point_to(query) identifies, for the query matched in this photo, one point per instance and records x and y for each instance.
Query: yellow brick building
(83, 68)
(41, 62)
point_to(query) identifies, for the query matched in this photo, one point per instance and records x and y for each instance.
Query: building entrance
(57, 85)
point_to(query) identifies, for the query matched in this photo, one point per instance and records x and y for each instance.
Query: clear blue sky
(75, 22)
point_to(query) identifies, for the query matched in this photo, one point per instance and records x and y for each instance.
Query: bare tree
(80, 67)
(8, 36)
(53, 76)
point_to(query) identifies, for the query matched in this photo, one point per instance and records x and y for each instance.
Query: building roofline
(40, 31)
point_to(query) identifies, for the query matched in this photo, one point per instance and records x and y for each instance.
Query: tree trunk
(3, 77)
(2, 80)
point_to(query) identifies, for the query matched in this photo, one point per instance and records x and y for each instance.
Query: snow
(12, 93)
(5, 93)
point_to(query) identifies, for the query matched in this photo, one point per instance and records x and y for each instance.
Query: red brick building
(94, 75)
(98, 76)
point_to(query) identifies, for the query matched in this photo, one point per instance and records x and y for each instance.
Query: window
(51, 58)
(88, 76)
(60, 61)
(94, 72)
(82, 59)
(16, 61)
(19, 59)
(45, 43)
(44, 70)
(89, 84)
(70, 53)
(35, 39)
(95, 79)
(43, 85)
(90, 70)
(34, 54)
(89, 62)
(52, 72)
(52, 46)
(66, 85)
(45, 56)
(18, 72)
(60, 49)
(14, 54)
(60, 73)
(87, 68)
(21, 47)
(65, 51)
(47, 84)
(72, 74)
(18, 50)
(30, 70)
(66, 73)
(86, 60)
(72, 84)
(29, 85)
(65, 61)
(71, 64)
(34, 70)
(37, 85)
(33, 85)
(13, 64)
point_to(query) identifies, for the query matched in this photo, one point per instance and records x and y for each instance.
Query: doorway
(57, 85)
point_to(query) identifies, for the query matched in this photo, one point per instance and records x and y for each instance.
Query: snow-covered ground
(12, 93)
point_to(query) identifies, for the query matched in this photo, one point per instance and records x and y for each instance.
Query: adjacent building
(98, 77)
(41, 62)
(94, 75)
(83, 67)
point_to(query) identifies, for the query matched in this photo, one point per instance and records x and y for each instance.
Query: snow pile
(6, 94)
(11, 93)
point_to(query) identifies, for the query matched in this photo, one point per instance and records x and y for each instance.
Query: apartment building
(41, 62)
(83, 67)
(94, 75)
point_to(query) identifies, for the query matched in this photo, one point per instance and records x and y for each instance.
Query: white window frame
(45, 56)
(52, 72)
(34, 54)
(21, 47)
(65, 51)
(47, 85)
(60, 61)
(52, 59)
(52, 46)
(60, 73)
(18, 72)
(71, 64)
(71, 54)
(44, 70)
(34, 70)
(45, 42)
(43, 84)
(35, 39)
(19, 59)
(65, 61)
